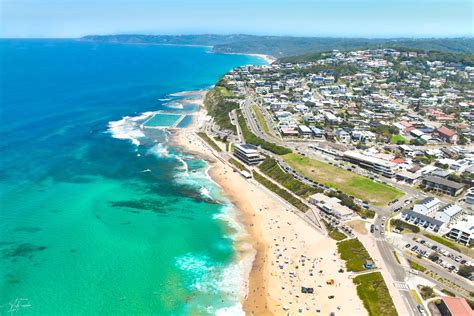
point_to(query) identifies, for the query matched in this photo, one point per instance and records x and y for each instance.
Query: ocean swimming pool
(162, 120)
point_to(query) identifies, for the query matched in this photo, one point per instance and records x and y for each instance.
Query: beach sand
(288, 252)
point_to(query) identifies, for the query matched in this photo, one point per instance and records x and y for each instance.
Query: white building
(463, 231)
(427, 206)
(247, 153)
(448, 213)
(343, 136)
(469, 197)
(331, 205)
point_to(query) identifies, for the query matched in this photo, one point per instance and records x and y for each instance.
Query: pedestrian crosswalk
(401, 285)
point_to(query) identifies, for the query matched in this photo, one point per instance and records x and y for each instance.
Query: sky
(334, 18)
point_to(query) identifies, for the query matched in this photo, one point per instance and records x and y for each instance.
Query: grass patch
(404, 225)
(373, 292)
(281, 192)
(262, 122)
(396, 256)
(334, 233)
(398, 139)
(271, 168)
(447, 292)
(348, 182)
(414, 295)
(209, 140)
(416, 266)
(240, 166)
(251, 138)
(354, 253)
(444, 241)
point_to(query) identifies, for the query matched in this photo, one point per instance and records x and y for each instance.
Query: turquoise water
(162, 120)
(96, 216)
(185, 121)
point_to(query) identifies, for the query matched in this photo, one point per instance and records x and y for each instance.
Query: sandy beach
(289, 254)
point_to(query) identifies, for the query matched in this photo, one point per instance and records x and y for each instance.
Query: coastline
(286, 252)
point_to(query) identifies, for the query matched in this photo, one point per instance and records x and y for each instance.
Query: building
(377, 165)
(463, 231)
(331, 205)
(447, 135)
(247, 153)
(454, 306)
(427, 206)
(469, 197)
(448, 213)
(442, 185)
(304, 130)
(343, 136)
(427, 222)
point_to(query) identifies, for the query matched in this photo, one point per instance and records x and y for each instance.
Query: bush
(271, 168)
(281, 192)
(426, 292)
(466, 271)
(218, 106)
(251, 138)
(333, 232)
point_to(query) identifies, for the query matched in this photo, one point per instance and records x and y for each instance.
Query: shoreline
(286, 252)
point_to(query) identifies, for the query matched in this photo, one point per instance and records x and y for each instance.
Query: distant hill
(283, 46)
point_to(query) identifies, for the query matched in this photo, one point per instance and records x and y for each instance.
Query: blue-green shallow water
(92, 224)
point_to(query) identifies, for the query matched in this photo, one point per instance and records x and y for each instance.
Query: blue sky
(345, 18)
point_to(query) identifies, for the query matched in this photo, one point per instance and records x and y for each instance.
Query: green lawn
(224, 91)
(416, 266)
(354, 253)
(397, 139)
(373, 292)
(444, 241)
(348, 182)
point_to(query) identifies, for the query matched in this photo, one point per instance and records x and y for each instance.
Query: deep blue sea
(95, 216)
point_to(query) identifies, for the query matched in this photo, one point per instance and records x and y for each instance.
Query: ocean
(96, 216)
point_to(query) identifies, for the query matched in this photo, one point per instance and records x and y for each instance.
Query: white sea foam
(159, 150)
(230, 311)
(205, 192)
(174, 105)
(129, 127)
(165, 99)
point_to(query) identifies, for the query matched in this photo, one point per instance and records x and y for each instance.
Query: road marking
(401, 285)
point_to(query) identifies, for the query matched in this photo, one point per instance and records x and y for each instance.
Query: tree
(466, 271)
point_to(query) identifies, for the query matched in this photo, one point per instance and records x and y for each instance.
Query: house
(247, 153)
(304, 130)
(447, 135)
(442, 185)
(427, 206)
(463, 231)
(363, 136)
(448, 213)
(343, 136)
(317, 132)
(454, 306)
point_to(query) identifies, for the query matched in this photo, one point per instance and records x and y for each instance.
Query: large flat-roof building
(247, 153)
(442, 185)
(377, 165)
(331, 205)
